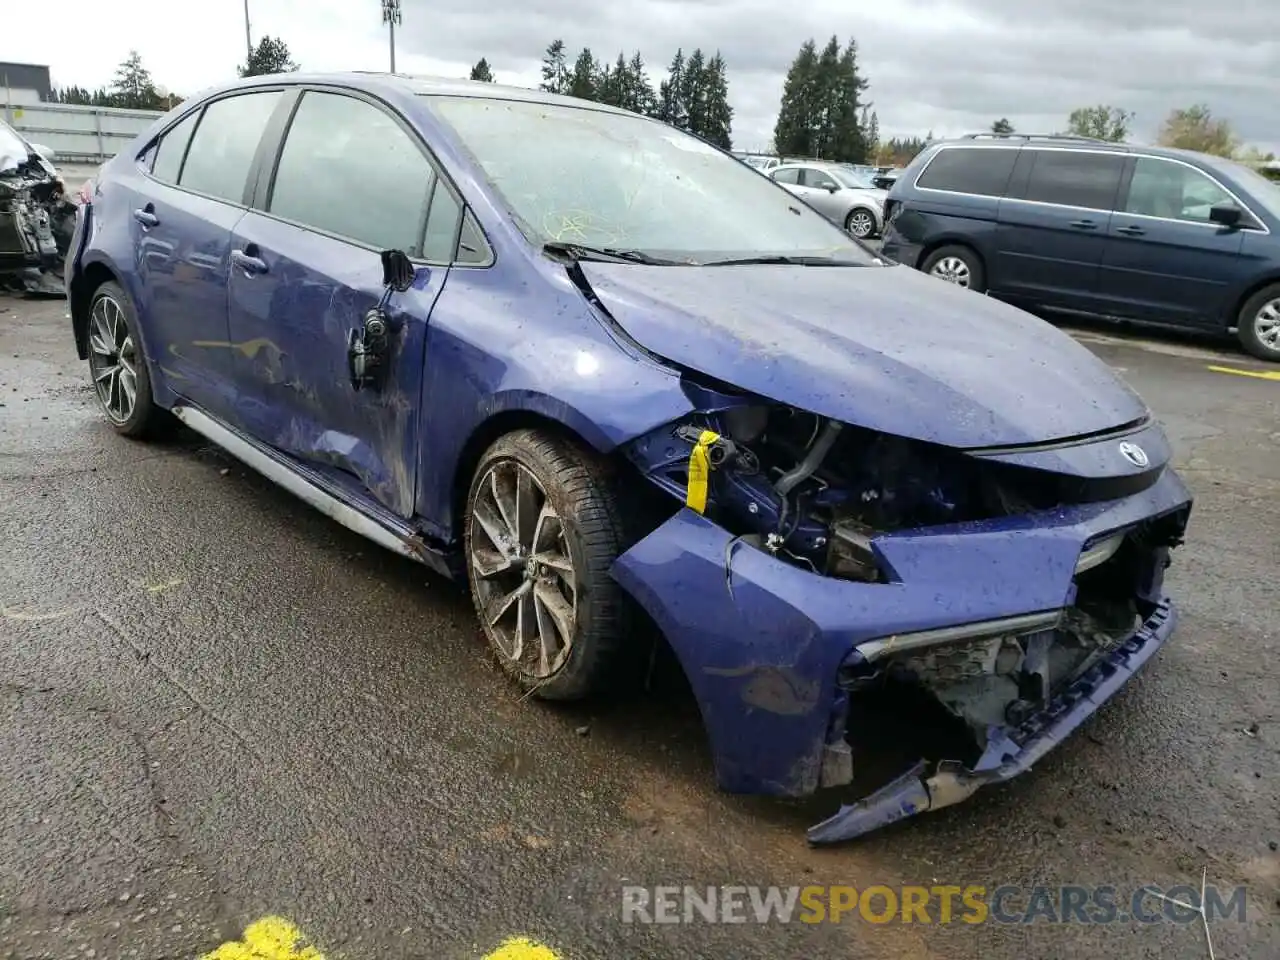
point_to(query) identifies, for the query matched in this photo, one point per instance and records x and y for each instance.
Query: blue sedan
(617, 380)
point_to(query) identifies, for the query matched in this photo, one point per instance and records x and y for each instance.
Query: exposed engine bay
(37, 219)
(815, 493)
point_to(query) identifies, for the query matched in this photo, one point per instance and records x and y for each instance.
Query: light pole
(391, 17)
(248, 44)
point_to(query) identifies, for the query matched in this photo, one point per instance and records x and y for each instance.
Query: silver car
(839, 193)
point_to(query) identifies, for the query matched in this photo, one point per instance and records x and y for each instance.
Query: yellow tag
(700, 471)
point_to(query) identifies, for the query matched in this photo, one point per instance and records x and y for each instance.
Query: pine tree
(582, 81)
(870, 132)
(645, 100)
(693, 93)
(670, 109)
(793, 132)
(848, 141)
(481, 71)
(555, 73)
(718, 117)
(133, 86)
(271, 55)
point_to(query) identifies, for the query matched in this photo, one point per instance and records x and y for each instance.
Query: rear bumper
(900, 250)
(764, 659)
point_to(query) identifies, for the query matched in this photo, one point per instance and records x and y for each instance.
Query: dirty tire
(1258, 325)
(578, 488)
(144, 420)
(960, 261)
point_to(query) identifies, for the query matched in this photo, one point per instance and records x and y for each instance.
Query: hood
(886, 348)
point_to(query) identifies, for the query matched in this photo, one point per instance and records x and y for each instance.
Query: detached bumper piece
(1010, 750)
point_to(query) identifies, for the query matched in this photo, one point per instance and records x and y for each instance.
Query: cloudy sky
(949, 66)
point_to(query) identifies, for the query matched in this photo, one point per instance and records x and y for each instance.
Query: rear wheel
(543, 528)
(861, 223)
(118, 366)
(1258, 325)
(958, 265)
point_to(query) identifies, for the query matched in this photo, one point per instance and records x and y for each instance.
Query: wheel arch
(80, 293)
(936, 244)
(1254, 287)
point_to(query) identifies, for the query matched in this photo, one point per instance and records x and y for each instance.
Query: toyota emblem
(1134, 454)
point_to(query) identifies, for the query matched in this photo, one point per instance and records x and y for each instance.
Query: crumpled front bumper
(763, 659)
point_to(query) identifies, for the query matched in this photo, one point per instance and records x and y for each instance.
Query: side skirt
(367, 519)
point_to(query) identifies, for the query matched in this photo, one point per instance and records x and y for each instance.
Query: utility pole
(248, 43)
(391, 17)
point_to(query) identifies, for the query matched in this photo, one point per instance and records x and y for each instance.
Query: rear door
(1054, 223)
(351, 179)
(1164, 260)
(194, 189)
(822, 192)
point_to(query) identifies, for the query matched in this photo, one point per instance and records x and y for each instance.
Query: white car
(837, 192)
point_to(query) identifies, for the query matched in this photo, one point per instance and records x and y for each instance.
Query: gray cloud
(946, 66)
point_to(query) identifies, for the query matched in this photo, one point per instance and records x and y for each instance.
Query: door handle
(146, 216)
(1131, 231)
(1084, 224)
(249, 264)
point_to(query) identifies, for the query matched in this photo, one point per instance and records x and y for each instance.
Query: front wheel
(118, 366)
(543, 527)
(861, 223)
(1258, 325)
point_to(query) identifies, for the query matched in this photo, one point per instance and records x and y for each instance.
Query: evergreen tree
(645, 101)
(271, 55)
(871, 133)
(718, 117)
(583, 79)
(481, 71)
(670, 109)
(848, 141)
(555, 72)
(133, 86)
(794, 130)
(692, 92)
(821, 112)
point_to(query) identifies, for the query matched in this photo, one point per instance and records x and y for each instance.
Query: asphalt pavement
(216, 706)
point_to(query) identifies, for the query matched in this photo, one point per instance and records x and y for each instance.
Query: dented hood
(885, 348)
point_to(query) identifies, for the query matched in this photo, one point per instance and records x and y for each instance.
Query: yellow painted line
(271, 938)
(519, 948)
(1259, 374)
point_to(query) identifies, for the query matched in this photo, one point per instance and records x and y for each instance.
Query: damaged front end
(823, 580)
(37, 219)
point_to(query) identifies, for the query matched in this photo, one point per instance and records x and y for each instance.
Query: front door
(350, 181)
(1165, 260)
(1053, 225)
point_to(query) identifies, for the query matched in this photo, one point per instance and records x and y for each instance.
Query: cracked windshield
(683, 481)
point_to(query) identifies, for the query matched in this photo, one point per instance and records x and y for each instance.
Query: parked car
(758, 160)
(36, 217)
(617, 381)
(886, 178)
(838, 193)
(1145, 234)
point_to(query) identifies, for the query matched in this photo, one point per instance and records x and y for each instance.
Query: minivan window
(172, 148)
(1173, 191)
(225, 142)
(604, 178)
(349, 169)
(978, 170)
(1073, 178)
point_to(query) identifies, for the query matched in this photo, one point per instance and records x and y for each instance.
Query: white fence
(78, 134)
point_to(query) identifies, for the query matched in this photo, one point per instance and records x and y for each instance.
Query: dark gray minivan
(1147, 234)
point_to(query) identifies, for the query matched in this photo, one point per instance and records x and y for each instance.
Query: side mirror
(1227, 214)
(397, 270)
(832, 188)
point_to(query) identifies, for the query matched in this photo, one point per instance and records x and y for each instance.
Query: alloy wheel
(861, 225)
(522, 569)
(1266, 324)
(113, 360)
(953, 270)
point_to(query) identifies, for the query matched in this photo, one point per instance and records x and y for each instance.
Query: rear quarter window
(983, 171)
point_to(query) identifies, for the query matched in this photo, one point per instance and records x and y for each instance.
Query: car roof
(1060, 142)
(372, 82)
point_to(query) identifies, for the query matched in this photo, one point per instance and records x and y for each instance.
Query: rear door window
(349, 169)
(225, 143)
(1072, 178)
(983, 171)
(172, 148)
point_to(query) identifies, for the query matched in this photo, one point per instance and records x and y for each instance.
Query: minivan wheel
(1258, 325)
(958, 265)
(118, 366)
(543, 528)
(861, 223)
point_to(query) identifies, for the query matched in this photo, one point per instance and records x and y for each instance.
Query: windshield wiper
(798, 261)
(578, 251)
